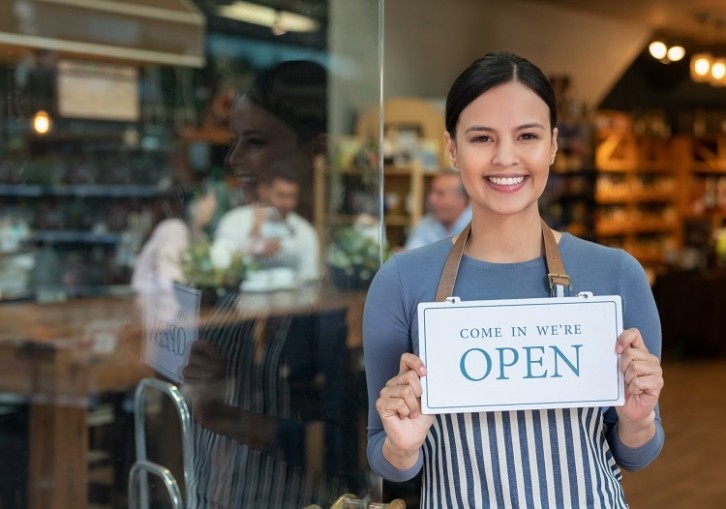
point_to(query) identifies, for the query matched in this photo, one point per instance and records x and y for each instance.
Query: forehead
(509, 104)
(248, 115)
(446, 181)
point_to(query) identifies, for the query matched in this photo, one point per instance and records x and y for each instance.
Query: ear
(451, 150)
(553, 145)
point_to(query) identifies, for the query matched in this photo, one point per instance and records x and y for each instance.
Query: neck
(508, 239)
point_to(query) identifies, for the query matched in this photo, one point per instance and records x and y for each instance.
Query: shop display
(412, 154)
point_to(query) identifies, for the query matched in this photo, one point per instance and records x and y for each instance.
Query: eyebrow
(530, 125)
(252, 132)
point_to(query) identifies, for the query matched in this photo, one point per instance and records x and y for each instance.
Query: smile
(506, 181)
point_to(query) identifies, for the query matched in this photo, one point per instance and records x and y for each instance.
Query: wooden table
(47, 354)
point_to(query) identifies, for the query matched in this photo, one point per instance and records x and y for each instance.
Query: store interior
(85, 176)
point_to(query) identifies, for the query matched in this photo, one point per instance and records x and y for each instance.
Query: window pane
(186, 240)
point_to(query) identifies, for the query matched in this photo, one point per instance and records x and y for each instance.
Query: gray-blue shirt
(511, 471)
(429, 230)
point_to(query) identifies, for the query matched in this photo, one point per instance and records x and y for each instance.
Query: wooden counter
(58, 355)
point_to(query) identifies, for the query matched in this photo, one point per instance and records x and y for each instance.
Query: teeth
(506, 181)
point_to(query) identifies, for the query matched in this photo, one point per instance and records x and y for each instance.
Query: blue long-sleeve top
(390, 328)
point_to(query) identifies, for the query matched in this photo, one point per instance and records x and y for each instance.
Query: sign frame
(471, 384)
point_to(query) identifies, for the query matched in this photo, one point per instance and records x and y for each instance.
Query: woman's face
(261, 143)
(504, 147)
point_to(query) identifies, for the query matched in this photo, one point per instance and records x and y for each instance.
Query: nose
(505, 154)
(232, 157)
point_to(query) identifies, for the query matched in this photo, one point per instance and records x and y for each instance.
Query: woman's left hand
(643, 379)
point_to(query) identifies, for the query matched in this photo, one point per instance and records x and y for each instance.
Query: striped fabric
(541, 459)
(231, 475)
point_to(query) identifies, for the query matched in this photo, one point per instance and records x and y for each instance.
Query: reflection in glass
(105, 217)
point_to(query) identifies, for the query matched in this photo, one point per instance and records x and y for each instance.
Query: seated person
(449, 211)
(271, 232)
(188, 212)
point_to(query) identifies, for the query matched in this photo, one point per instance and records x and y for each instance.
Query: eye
(482, 138)
(529, 136)
(253, 141)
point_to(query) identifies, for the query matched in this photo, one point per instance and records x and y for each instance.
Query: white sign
(98, 91)
(171, 322)
(520, 354)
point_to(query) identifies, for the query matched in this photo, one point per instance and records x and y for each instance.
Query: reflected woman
(257, 385)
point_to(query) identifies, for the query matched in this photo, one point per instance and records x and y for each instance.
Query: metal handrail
(136, 480)
(143, 463)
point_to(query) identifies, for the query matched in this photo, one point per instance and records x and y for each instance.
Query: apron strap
(558, 279)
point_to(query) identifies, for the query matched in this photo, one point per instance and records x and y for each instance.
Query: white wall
(428, 42)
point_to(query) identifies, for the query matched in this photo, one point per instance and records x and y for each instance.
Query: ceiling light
(701, 67)
(658, 50)
(676, 53)
(41, 122)
(718, 70)
(277, 21)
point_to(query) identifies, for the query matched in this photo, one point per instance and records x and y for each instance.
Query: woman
(187, 214)
(501, 135)
(256, 385)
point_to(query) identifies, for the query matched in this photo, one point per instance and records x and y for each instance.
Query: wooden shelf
(649, 179)
(404, 186)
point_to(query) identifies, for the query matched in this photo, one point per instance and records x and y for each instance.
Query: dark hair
(294, 91)
(491, 70)
(177, 198)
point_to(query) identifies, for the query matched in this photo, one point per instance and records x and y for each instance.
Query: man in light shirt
(271, 232)
(449, 211)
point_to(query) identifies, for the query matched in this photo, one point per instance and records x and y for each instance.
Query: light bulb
(701, 67)
(676, 53)
(41, 122)
(718, 70)
(658, 49)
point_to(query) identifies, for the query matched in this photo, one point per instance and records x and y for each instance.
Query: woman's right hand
(399, 406)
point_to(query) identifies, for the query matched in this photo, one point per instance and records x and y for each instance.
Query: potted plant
(216, 273)
(354, 257)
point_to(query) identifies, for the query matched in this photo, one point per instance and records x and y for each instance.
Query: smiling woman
(501, 135)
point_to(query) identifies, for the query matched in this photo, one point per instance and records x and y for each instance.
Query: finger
(650, 385)
(650, 376)
(411, 362)
(399, 400)
(637, 363)
(641, 366)
(405, 381)
(630, 338)
(406, 387)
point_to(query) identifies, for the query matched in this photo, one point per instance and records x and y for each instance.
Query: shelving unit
(78, 192)
(568, 201)
(354, 188)
(211, 141)
(638, 205)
